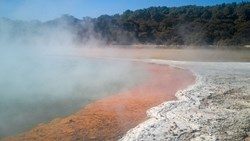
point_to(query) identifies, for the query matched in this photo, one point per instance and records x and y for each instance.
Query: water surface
(35, 89)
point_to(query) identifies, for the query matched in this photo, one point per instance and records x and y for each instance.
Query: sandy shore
(217, 107)
(112, 117)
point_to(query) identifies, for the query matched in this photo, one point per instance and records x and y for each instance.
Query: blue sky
(49, 9)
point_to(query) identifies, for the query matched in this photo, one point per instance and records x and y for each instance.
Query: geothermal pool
(38, 88)
(111, 117)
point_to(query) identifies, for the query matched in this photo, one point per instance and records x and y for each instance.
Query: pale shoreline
(217, 107)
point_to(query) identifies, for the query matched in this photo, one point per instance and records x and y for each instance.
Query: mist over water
(40, 82)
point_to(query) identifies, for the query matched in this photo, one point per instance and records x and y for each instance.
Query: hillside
(219, 25)
(225, 24)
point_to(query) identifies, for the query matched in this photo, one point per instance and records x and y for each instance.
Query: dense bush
(219, 25)
(225, 24)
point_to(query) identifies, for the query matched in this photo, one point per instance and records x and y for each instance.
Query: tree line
(224, 24)
(219, 25)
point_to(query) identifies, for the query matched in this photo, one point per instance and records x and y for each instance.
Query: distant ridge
(219, 25)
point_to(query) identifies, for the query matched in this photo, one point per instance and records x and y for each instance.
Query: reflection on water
(37, 89)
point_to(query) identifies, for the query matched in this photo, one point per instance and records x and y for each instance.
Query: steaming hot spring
(88, 97)
(154, 72)
(48, 97)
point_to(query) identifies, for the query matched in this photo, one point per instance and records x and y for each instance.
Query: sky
(45, 10)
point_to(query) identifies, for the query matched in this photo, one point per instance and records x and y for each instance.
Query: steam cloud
(39, 81)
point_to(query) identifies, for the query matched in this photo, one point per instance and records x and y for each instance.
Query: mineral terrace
(217, 107)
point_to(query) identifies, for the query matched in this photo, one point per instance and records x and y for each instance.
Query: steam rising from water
(40, 82)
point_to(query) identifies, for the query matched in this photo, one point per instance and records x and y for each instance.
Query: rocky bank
(217, 107)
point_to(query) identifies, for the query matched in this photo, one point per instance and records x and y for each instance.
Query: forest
(219, 25)
(225, 24)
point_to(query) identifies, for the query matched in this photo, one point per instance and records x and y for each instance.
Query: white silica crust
(216, 107)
